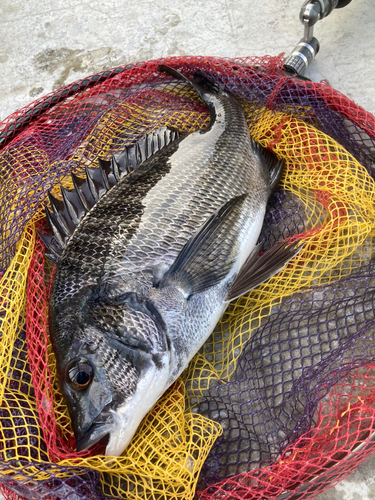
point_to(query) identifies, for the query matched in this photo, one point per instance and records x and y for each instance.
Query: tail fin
(205, 88)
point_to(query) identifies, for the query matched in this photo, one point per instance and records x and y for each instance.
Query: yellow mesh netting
(339, 198)
(164, 459)
(13, 301)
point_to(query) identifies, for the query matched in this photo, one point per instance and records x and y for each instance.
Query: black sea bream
(150, 249)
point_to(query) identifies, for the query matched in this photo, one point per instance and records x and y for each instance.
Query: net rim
(20, 119)
(80, 85)
(369, 443)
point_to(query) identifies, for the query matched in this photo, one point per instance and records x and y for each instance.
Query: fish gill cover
(280, 401)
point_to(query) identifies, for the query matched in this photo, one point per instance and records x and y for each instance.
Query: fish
(151, 246)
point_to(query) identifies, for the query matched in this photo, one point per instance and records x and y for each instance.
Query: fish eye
(79, 373)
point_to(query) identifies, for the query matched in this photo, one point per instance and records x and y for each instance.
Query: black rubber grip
(342, 3)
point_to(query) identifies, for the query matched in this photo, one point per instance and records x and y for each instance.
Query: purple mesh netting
(60, 132)
(78, 483)
(308, 343)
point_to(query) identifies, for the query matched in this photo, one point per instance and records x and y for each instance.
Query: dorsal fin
(61, 214)
(135, 155)
(69, 212)
(59, 234)
(83, 191)
(107, 173)
(50, 244)
(73, 205)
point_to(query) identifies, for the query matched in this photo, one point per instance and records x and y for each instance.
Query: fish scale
(197, 184)
(164, 236)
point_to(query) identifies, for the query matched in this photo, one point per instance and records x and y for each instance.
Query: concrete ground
(46, 44)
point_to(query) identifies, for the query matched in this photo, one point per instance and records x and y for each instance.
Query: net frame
(360, 121)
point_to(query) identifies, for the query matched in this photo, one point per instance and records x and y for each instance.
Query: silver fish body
(147, 273)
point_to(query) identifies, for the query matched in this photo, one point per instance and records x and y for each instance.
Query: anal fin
(272, 163)
(258, 269)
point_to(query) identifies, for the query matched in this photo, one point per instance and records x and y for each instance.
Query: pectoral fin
(209, 255)
(258, 269)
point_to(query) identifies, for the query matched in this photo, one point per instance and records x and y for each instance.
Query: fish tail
(200, 83)
(208, 91)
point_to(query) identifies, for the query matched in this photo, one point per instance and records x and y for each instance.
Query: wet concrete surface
(45, 45)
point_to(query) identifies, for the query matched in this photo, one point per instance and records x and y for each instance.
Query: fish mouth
(101, 427)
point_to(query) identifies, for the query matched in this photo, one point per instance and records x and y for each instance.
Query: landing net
(280, 401)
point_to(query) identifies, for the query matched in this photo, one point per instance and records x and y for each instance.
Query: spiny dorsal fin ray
(62, 215)
(83, 191)
(68, 213)
(143, 149)
(107, 174)
(56, 229)
(116, 168)
(95, 182)
(73, 205)
(50, 243)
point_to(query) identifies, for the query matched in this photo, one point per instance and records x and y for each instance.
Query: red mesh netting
(280, 402)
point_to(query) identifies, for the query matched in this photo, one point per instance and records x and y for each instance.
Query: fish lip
(96, 432)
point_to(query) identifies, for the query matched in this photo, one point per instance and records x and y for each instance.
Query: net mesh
(280, 401)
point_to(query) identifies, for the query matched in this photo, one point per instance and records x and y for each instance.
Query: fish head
(115, 368)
